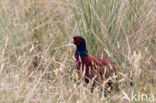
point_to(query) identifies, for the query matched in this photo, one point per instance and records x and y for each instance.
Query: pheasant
(92, 68)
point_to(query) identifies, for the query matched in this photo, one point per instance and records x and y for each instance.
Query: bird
(91, 68)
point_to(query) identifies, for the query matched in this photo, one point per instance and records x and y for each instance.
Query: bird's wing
(99, 61)
(104, 62)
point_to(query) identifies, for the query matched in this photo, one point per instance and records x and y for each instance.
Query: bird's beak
(71, 41)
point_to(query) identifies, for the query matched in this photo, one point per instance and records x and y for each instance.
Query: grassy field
(36, 62)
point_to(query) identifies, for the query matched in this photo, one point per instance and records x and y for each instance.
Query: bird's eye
(77, 40)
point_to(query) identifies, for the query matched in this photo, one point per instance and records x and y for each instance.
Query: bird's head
(80, 43)
(78, 40)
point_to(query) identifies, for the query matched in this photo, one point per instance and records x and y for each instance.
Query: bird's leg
(92, 88)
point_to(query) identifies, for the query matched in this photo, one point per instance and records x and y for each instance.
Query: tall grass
(36, 65)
